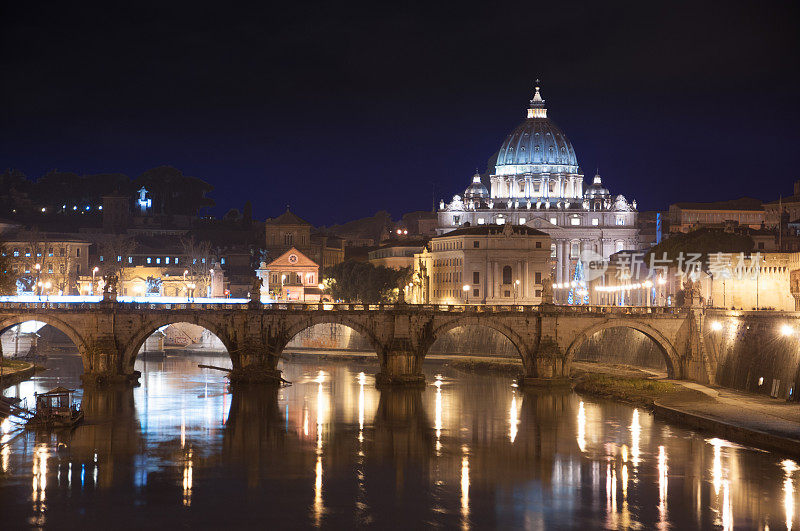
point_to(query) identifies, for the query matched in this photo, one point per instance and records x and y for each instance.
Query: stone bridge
(110, 335)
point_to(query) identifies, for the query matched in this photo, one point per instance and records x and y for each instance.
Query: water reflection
(333, 451)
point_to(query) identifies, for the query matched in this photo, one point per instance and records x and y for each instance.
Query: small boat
(55, 409)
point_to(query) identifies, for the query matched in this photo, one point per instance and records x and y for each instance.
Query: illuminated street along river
(468, 451)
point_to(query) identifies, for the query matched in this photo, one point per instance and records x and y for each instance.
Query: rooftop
(490, 230)
(743, 203)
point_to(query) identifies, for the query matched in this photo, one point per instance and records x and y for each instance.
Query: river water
(468, 451)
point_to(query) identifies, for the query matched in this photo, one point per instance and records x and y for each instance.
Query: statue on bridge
(110, 287)
(547, 291)
(255, 290)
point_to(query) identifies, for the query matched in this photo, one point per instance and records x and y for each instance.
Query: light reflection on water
(468, 451)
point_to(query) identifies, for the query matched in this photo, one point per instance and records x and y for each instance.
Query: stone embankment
(15, 371)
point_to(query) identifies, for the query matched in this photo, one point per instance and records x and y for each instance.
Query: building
(293, 277)
(47, 263)
(537, 183)
(291, 231)
(160, 281)
(397, 253)
(488, 264)
(788, 206)
(745, 212)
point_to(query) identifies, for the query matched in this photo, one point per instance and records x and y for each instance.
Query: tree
(8, 284)
(115, 252)
(353, 281)
(704, 241)
(199, 261)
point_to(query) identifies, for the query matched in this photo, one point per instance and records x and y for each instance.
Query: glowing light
(465, 490)
(361, 379)
(40, 456)
(789, 467)
(716, 470)
(581, 427)
(662, 486)
(787, 330)
(727, 506)
(636, 431)
(513, 419)
(318, 505)
(187, 479)
(716, 326)
(437, 422)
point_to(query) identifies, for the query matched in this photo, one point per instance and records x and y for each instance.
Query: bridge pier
(104, 363)
(401, 364)
(545, 367)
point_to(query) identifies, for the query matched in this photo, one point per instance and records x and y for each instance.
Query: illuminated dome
(596, 190)
(476, 190)
(537, 145)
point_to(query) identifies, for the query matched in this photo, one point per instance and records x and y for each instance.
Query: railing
(349, 307)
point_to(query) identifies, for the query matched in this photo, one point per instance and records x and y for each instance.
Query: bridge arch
(159, 321)
(56, 323)
(483, 322)
(328, 318)
(665, 346)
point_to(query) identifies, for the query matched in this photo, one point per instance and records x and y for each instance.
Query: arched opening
(179, 347)
(620, 347)
(471, 340)
(326, 345)
(46, 343)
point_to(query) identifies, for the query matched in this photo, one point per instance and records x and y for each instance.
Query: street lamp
(465, 288)
(38, 268)
(94, 272)
(516, 285)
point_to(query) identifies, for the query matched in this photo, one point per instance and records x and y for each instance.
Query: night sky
(344, 110)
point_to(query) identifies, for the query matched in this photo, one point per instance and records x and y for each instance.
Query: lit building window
(119, 258)
(176, 259)
(501, 221)
(481, 221)
(221, 261)
(158, 260)
(101, 257)
(166, 260)
(554, 221)
(149, 260)
(575, 250)
(574, 221)
(552, 250)
(595, 222)
(522, 221)
(130, 259)
(620, 220)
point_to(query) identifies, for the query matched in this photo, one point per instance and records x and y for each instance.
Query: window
(221, 261)
(552, 250)
(288, 238)
(522, 221)
(78, 252)
(119, 258)
(538, 293)
(481, 221)
(166, 260)
(149, 260)
(50, 252)
(130, 259)
(476, 292)
(506, 274)
(456, 220)
(50, 268)
(595, 222)
(16, 253)
(620, 220)
(101, 257)
(574, 221)
(554, 221)
(476, 277)
(176, 259)
(618, 245)
(537, 277)
(538, 245)
(158, 260)
(501, 220)
(574, 249)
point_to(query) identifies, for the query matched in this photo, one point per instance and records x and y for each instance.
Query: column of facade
(527, 281)
(497, 279)
(559, 260)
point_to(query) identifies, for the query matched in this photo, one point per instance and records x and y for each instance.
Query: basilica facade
(537, 182)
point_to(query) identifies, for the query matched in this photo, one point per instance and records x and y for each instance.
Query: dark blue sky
(343, 110)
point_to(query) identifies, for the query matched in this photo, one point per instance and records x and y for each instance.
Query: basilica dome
(476, 190)
(537, 145)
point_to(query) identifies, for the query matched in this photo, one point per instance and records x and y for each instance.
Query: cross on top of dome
(537, 108)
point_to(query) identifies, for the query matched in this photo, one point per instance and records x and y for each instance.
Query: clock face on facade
(292, 258)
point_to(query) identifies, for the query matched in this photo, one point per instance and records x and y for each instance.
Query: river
(468, 451)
